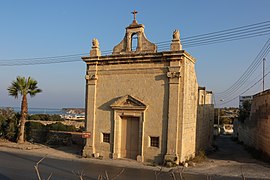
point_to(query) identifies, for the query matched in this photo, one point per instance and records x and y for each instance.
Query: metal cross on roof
(134, 13)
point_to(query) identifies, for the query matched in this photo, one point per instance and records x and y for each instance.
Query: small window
(134, 42)
(106, 137)
(154, 141)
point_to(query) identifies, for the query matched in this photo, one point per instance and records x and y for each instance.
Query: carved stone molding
(129, 102)
(173, 75)
(91, 77)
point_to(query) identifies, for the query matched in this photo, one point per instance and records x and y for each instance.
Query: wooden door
(130, 137)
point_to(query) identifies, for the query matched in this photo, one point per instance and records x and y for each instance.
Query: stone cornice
(164, 56)
(129, 102)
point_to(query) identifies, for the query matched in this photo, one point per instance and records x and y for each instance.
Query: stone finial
(176, 35)
(176, 43)
(95, 43)
(95, 48)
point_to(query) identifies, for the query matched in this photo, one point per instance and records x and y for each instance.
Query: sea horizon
(39, 110)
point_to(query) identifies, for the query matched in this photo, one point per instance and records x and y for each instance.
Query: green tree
(245, 111)
(23, 86)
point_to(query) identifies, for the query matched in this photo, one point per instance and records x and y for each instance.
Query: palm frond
(32, 87)
(23, 86)
(33, 92)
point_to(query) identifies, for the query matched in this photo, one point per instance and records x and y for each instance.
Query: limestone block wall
(188, 108)
(146, 82)
(205, 120)
(204, 128)
(255, 131)
(260, 112)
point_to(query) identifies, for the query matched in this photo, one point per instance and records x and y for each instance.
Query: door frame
(117, 131)
(127, 106)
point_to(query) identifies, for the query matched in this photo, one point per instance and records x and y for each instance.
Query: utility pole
(219, 115)
(263, 71)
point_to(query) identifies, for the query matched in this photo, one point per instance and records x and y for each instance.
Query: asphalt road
(20, 166)
(14, 165)
(17, 165)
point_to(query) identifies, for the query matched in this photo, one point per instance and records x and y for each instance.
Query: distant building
(244, 98)
(205, 119)
(142, 104)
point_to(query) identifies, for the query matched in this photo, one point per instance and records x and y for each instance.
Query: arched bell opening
(134, 42)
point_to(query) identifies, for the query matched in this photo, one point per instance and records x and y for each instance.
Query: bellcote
(135, 40)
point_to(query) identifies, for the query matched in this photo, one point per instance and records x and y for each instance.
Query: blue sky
(51, 28)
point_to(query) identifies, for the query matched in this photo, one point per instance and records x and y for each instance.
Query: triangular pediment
(128, 102)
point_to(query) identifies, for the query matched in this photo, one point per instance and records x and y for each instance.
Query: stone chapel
(141, 104)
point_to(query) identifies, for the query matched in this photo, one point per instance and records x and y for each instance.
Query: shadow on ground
(71, 149)
(230, 150)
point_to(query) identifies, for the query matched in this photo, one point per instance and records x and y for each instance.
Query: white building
(244, 98)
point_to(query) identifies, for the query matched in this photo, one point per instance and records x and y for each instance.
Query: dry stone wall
(255, 131)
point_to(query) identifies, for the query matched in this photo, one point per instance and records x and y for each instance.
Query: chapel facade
(141, 104)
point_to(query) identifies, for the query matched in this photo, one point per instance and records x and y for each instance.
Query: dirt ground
(39, 149)
(231, 159)
(66, 152)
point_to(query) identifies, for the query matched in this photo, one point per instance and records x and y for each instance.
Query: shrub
(58, 126)
(35, 132)
(55, 117)
(8, 124)
(11, 130)
(45, 117)
(34, 125)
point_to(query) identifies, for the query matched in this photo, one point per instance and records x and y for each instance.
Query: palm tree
(23, 86)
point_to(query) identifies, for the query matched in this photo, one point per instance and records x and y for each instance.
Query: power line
(226, 102)
(204, 43)
(228, 30)
(245, 76)
(237, 94)
(218, 33)
(230, 33)
(248, 31)
(227, 39)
